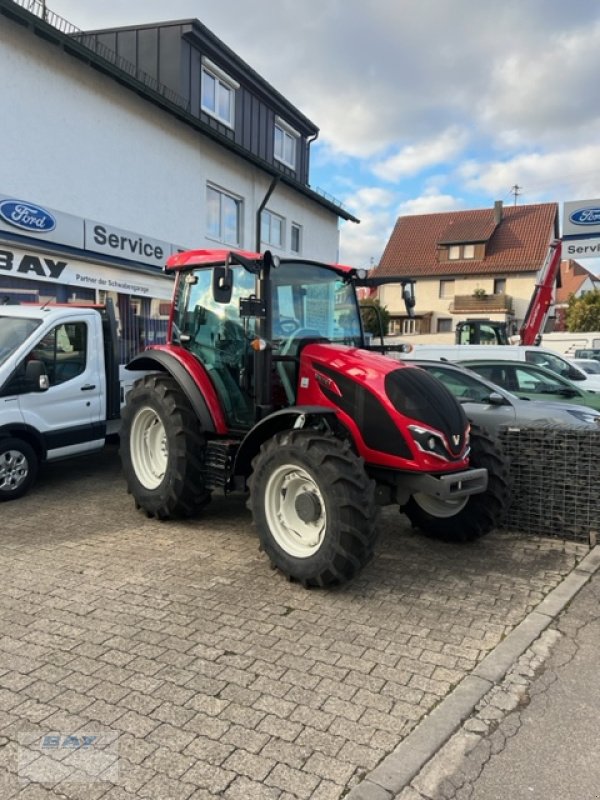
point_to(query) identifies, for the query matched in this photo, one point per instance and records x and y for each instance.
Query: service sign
(53, 268)
(581, 248)
(581, 218)
(111, 241)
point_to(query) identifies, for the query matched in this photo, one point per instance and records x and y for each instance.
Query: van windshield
(13, 332)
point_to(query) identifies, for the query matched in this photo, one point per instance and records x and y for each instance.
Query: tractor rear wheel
(470, 517)
(314, 507)
(162, 448)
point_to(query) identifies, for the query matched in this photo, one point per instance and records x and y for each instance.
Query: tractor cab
(247, 324)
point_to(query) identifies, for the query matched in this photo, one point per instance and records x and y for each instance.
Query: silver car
(492, 407)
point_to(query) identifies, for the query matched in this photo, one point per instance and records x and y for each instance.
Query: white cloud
(413, 159)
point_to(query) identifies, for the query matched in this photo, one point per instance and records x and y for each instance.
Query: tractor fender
(282, 420)
(162, 361)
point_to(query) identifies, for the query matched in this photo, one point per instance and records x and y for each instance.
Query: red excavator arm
(541, 300)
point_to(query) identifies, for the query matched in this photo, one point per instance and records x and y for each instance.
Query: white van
(534, 355)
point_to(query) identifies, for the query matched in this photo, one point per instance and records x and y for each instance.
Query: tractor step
(219, 458)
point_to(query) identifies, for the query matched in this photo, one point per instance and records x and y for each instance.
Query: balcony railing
(476, 304)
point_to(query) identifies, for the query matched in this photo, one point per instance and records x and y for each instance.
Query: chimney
(497, 212)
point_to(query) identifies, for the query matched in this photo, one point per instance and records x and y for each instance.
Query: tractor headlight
(429, 442)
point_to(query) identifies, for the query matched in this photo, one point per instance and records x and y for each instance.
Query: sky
(423, 105)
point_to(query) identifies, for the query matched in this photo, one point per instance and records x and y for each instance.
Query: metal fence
(555, 473)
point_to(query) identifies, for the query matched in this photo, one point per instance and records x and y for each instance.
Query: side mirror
(36, 377)
(496, 399)
(222, 285)
(408, 295)
(573, 374)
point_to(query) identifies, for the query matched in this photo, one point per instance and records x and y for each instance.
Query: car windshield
(13, 332)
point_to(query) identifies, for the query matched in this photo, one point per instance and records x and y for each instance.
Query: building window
(444, 325)
(218, 93)
(500, 286)
(284, 148)
(295, 238)
(457, 252)
(409, 326)
(447, 288)
(223, 217)
(272, 228)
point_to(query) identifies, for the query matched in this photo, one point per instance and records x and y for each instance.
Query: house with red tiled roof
(477, 264)
(574, 280)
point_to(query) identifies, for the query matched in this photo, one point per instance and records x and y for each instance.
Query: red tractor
(266, 385)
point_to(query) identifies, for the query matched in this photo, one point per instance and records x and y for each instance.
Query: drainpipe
(261, 208)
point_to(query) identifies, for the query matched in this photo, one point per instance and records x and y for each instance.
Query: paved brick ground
(214, 674)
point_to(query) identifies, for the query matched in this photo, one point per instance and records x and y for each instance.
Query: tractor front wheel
(162, 447)
(314, 507)
(467, 518)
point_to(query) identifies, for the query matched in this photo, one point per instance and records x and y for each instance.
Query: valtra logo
(27, 216)
(586, 216)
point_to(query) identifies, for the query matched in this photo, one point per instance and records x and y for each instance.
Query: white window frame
(221, 79)
(221, 235)
(295, 227)
(267, 218)
(289, 136)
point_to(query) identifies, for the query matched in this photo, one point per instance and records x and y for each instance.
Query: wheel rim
(14, 469)
(439, 508)
(148, 447)
(295, 511)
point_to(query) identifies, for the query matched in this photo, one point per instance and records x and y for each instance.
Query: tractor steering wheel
(299, 333)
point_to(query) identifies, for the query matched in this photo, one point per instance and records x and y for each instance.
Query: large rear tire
(18, 468)
(162, 449)
(473, 516)
(314, 507)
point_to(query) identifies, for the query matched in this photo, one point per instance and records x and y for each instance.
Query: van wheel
(18, 468)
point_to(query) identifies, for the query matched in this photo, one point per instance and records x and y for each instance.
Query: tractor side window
(63, 352)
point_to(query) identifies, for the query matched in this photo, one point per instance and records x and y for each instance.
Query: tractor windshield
(312, 301)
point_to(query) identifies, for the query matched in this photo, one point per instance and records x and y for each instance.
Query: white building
(122, 146)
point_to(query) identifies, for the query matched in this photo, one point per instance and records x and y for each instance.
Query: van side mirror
(36, 377)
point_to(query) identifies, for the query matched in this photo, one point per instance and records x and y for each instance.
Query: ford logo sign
(27, 216)
(586, 216)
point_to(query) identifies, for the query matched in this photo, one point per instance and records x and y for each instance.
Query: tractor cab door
(216, 334)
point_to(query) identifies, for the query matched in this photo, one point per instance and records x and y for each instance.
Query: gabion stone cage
(555, 477)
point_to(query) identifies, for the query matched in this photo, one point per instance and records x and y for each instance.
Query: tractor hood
(398, 409)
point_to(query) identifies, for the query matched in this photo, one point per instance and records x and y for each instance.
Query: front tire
(314, 507)
(467, 519)
(18, 468)
(162, 448)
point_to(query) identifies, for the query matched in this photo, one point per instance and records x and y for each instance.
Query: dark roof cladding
(519, 243)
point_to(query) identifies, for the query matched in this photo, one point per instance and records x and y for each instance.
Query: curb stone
(435, 733)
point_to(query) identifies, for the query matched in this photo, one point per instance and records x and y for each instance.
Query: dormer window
(456, 252)
(284, 148)
(218, 93)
